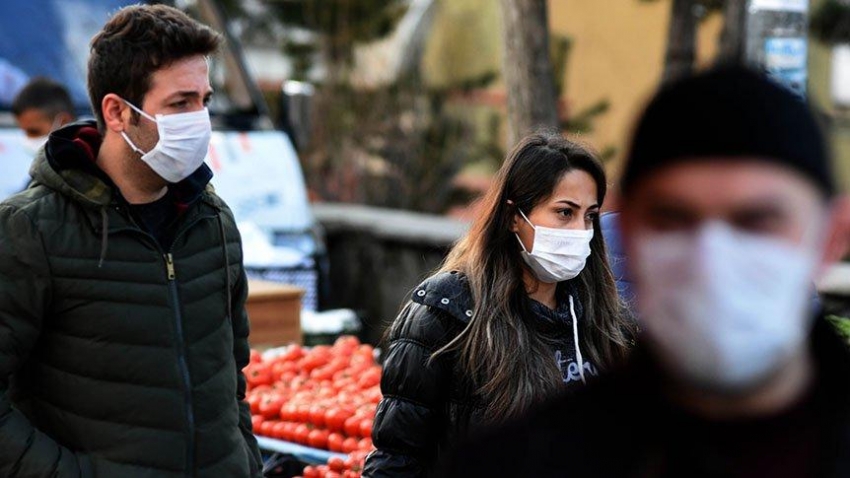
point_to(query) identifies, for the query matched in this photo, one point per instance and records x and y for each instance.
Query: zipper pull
(169, 265)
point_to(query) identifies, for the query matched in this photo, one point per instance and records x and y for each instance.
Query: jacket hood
(68, 164)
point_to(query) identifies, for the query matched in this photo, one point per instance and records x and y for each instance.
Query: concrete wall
(377, 256)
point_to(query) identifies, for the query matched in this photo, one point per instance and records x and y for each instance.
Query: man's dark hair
(45, 95)
(136, 42)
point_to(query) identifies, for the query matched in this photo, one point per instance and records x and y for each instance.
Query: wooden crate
(274, 310)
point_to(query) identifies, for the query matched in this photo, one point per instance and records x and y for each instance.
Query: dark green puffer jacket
(117, 358)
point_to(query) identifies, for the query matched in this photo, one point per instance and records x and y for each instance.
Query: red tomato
(289, 412)
(317, 415)
(270, 406)
(266, 428)
(335, 418)
(280, 369)
(346, 344)
(258, 374)
(303, 414)
(289, 431)
(365, 444)
(364, 354)
(318, 438)
(332, 474)
(336, 463)
(254, 402)
(261, 390)
(287, 377)
(335, 442)
(349, 445)
(373, 395)
(256, 423)
(366, 428)
(370, 378)
(311, 472)
(256, 357)
(277, 430)
(367, 411)
(352, 426)
(292, 353)
(301, 434)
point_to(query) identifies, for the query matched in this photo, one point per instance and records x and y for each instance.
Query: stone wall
(377, 256)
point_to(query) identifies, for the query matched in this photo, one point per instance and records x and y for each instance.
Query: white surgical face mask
(32, 145)
(725, 309)
(184, 140)
(556, 254)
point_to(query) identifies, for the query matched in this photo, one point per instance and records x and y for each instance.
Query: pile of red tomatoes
(323, 397)
(338, 467)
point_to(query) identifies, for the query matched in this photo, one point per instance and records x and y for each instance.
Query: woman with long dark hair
(524, 306)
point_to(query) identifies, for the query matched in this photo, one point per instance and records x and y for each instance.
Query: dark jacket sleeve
(25, 291)
(410, 418)
(242, 355)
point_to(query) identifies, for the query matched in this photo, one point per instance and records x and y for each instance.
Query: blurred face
(724, 254)
(36, 123)
(753, 197)
(572, 205)
(182, 87)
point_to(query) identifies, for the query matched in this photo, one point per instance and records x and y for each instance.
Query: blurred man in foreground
(728, 213)
(42, 106)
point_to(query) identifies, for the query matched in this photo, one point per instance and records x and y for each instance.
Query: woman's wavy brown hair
(511, 364)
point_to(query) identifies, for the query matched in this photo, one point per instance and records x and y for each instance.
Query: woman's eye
(592, 217)
(566, 212)
(179, 104)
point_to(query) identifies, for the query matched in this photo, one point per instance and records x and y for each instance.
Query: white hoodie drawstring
(575, 339)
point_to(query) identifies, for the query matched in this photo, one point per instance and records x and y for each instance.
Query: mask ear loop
(138, 110)
(124, 134)
(132, 145)
(526, 220)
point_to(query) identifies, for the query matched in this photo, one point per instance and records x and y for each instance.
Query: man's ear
(837, 242)
(115, 112)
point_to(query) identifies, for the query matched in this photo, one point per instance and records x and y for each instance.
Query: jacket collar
(68, 164)
(449, 292)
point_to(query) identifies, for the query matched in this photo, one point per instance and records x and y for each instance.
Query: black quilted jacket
(118, 358)
(429, 407)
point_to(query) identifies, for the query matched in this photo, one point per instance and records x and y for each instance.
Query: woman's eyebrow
(576, 204)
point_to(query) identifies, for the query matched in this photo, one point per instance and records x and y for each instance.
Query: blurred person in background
(729, 212)
(41, 107)
(524, 307)
(122, 289)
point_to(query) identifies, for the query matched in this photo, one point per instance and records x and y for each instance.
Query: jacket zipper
(183, 365)
(171, 275)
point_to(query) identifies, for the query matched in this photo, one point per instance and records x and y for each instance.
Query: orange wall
(617, 53)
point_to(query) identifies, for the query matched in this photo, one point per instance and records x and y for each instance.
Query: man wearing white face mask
(41, 107)
(728, 213)
(122, 289)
